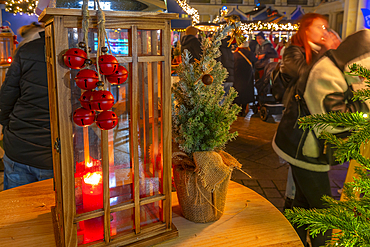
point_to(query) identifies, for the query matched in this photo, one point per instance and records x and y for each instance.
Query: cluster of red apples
(92, 101)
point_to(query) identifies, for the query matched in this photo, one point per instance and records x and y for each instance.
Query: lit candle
(92, 193)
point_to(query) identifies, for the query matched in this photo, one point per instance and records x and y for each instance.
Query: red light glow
(9, 60)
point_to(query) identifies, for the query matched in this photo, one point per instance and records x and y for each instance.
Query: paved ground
(269, 172)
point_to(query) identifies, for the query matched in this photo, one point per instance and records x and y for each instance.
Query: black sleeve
(252, 57)
(10, 90)
(271, 52)
(343, 102)
(195, 45)
(294, 62)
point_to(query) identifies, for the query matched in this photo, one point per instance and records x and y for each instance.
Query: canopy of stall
(184, 19)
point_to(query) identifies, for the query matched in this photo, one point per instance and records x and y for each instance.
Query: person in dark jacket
(264, 51)
(227, 60)
(244, 60)
(24, 113)
(252, 45)
(191, 43)
(321, 87)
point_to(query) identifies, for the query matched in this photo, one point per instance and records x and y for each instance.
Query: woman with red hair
(297, 147)
(310, 42)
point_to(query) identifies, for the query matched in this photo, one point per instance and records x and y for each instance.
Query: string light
(268, 26)
(21, 6)
(189, 10)
(178, 30)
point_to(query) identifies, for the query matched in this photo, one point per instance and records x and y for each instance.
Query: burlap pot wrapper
(211, 169)
(198, 204)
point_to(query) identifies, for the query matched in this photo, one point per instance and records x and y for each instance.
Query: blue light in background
(366, 13)
(17, 21)
(224, 8)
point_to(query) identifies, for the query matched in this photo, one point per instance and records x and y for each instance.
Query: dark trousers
(310, 188)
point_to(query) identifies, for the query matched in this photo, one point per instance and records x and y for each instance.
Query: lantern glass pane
(149, 42)
(87, 140)
(90, 230)
(120, 166)
(6, 47)
(86, 145)
(150, 128)
(118, 39)
(122, 222)
(151, 213)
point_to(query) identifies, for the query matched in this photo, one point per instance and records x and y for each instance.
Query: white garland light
(189, 10)
(268, 26)
(21, 6)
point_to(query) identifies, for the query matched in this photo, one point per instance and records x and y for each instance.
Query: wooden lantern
(7, 48)
(113, 187)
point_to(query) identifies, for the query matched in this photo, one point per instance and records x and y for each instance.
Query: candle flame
(93, 178)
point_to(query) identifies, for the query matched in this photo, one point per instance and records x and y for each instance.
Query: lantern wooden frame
(7, 50)
(7, 47)
(65, 216)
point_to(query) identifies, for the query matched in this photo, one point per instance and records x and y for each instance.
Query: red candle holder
(92, 194)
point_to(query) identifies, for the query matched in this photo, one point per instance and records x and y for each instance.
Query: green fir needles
(202, 114)
(352, 216)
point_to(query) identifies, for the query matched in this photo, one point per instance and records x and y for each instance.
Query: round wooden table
(249, 220)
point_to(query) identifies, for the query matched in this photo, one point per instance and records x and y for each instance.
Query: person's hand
(332, 41)
(262, 56)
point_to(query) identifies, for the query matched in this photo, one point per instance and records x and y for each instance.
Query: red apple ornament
(107, 120)
(85, 99)
(83, 117)
(101, 100)
(87, 79)
(108, 64)
(119, 76)
(75, 58)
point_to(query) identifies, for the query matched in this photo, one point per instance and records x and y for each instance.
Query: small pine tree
(202, 114)
(350, 217)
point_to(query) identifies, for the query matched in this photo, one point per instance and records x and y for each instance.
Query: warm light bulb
(365, 115)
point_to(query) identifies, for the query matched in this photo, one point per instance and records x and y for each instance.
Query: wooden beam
(65, 130)
(54, 126)
(121, 14)
(106, 194)
(134, 126)
(167, 126)
(151, 59)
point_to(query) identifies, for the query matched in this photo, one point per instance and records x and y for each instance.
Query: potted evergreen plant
(201, 119)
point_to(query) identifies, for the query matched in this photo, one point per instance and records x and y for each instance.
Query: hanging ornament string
(101, 29)
(85, 25)
(102, 35)
(101, 19)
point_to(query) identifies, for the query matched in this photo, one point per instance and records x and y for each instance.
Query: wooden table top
(249, 220)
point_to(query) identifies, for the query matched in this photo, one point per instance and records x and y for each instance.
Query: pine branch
(333, 119)
(362, 94)
(351, 217)
(359, 70)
